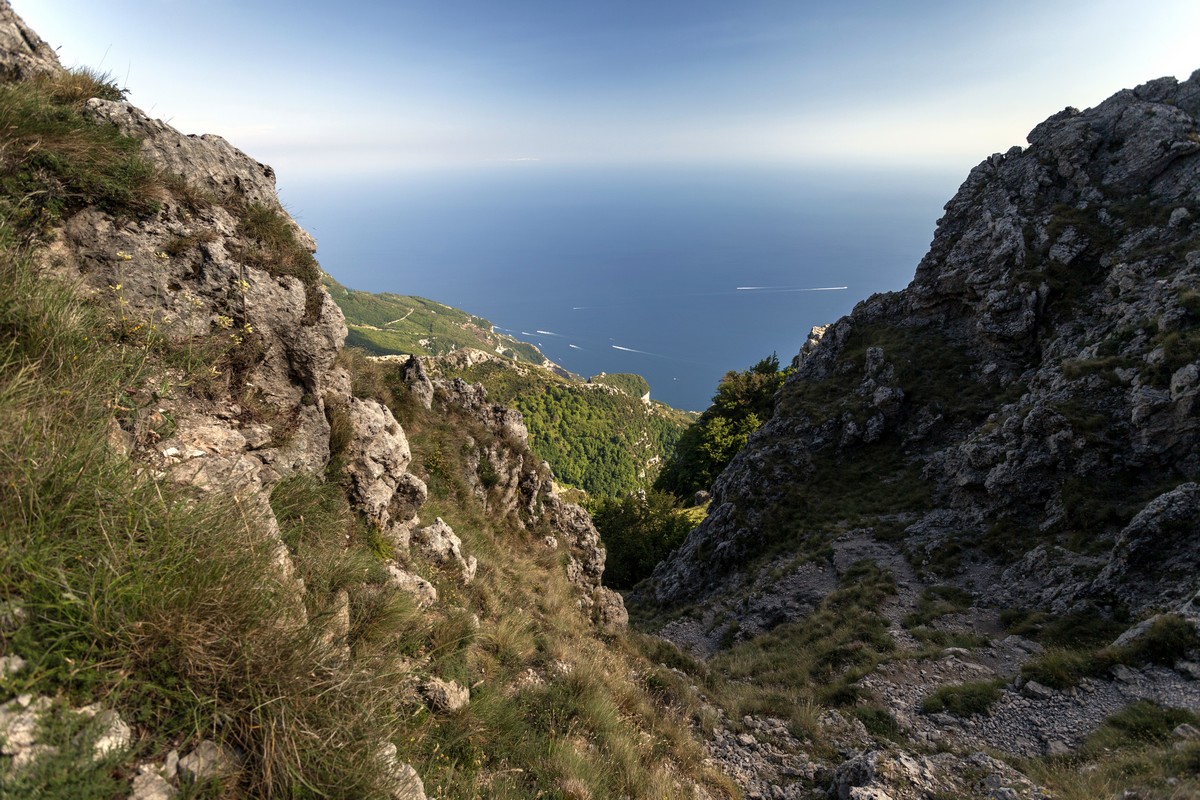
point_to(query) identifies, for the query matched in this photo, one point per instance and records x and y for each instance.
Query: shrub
(638, 531)
(964, 699)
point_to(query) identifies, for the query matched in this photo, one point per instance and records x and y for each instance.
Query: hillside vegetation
(597, 437)
(387, 324)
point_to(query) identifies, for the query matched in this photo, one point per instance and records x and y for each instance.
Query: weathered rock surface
(23, 54)
(445, 696)
(1021, 423)
(1040, 374)
(440, 544)
(513, 483)
(208, 761)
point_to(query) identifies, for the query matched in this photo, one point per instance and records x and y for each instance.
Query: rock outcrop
(1036, 382)
(1018, 429)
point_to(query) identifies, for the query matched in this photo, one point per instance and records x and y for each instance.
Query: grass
(1169, 639)
(815, 661)
(169, 605)
(1132, 753)
(963, 699)
(937, 602)
(278, 250)
(167, 608)
(163, 606)
(54, 161)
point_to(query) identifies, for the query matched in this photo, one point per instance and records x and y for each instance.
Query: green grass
(815, 661)
(168, 606)
(602, 442)
(163, 606)
(72, 771)
(278, 250)
(937, 602)
(1133, 752)
(386, 323)
(54, 161)
(1169, 639)
(963, 699)
(629, 383)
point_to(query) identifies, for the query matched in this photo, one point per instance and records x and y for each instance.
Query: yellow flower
(223, 321)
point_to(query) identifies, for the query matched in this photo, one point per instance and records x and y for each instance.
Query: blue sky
(340, 88)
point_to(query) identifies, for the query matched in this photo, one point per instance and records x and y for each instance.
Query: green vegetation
(583, 727)
(1169, 639)
(816, 661)
(628, 382)
(606, 443)
(55, 161)
(743, 402)
(164, 606)
(1133, 752)
(387, 324)
(640, 530)
(167, 604)
(936, 602)
(963, 699)
(278, 250)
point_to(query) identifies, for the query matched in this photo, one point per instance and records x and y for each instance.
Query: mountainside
(392, 324)
(237, 560)
(1003, 453)
(598, 435)
(240, 560)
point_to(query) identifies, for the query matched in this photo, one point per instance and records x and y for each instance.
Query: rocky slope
(1017, 429)
(1037, 380)
(314, 568)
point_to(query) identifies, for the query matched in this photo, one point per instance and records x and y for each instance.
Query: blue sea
(677, 274)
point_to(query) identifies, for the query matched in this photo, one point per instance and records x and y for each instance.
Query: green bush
(743, 402)
(638, 531)
(964, 699)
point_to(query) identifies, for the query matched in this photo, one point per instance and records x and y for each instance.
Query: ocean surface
(679, 275)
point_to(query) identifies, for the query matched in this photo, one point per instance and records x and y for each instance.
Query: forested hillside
(599, 438)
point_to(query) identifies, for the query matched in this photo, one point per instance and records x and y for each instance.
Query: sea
(678, 274)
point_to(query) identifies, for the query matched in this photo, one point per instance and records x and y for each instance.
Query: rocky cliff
(999, 458)
(1033, 391)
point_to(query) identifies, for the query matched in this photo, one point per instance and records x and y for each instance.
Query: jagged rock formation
(1019, 429)
(23, 54)
(1037, 381)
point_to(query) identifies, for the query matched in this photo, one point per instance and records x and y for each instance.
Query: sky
(354, 87)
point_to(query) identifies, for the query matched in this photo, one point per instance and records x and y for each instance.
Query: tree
(743, 401)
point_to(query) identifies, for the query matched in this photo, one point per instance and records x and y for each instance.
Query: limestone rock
(19, 727)
(208, 160)
(149, 784)
(23, 54)
(208, 761)
(422, 590)
(114, 734)
(439, 543)
(376, 458)
(1056, 283)
(11, 665)
(444, 696)
(414, 376)
(407, 784)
